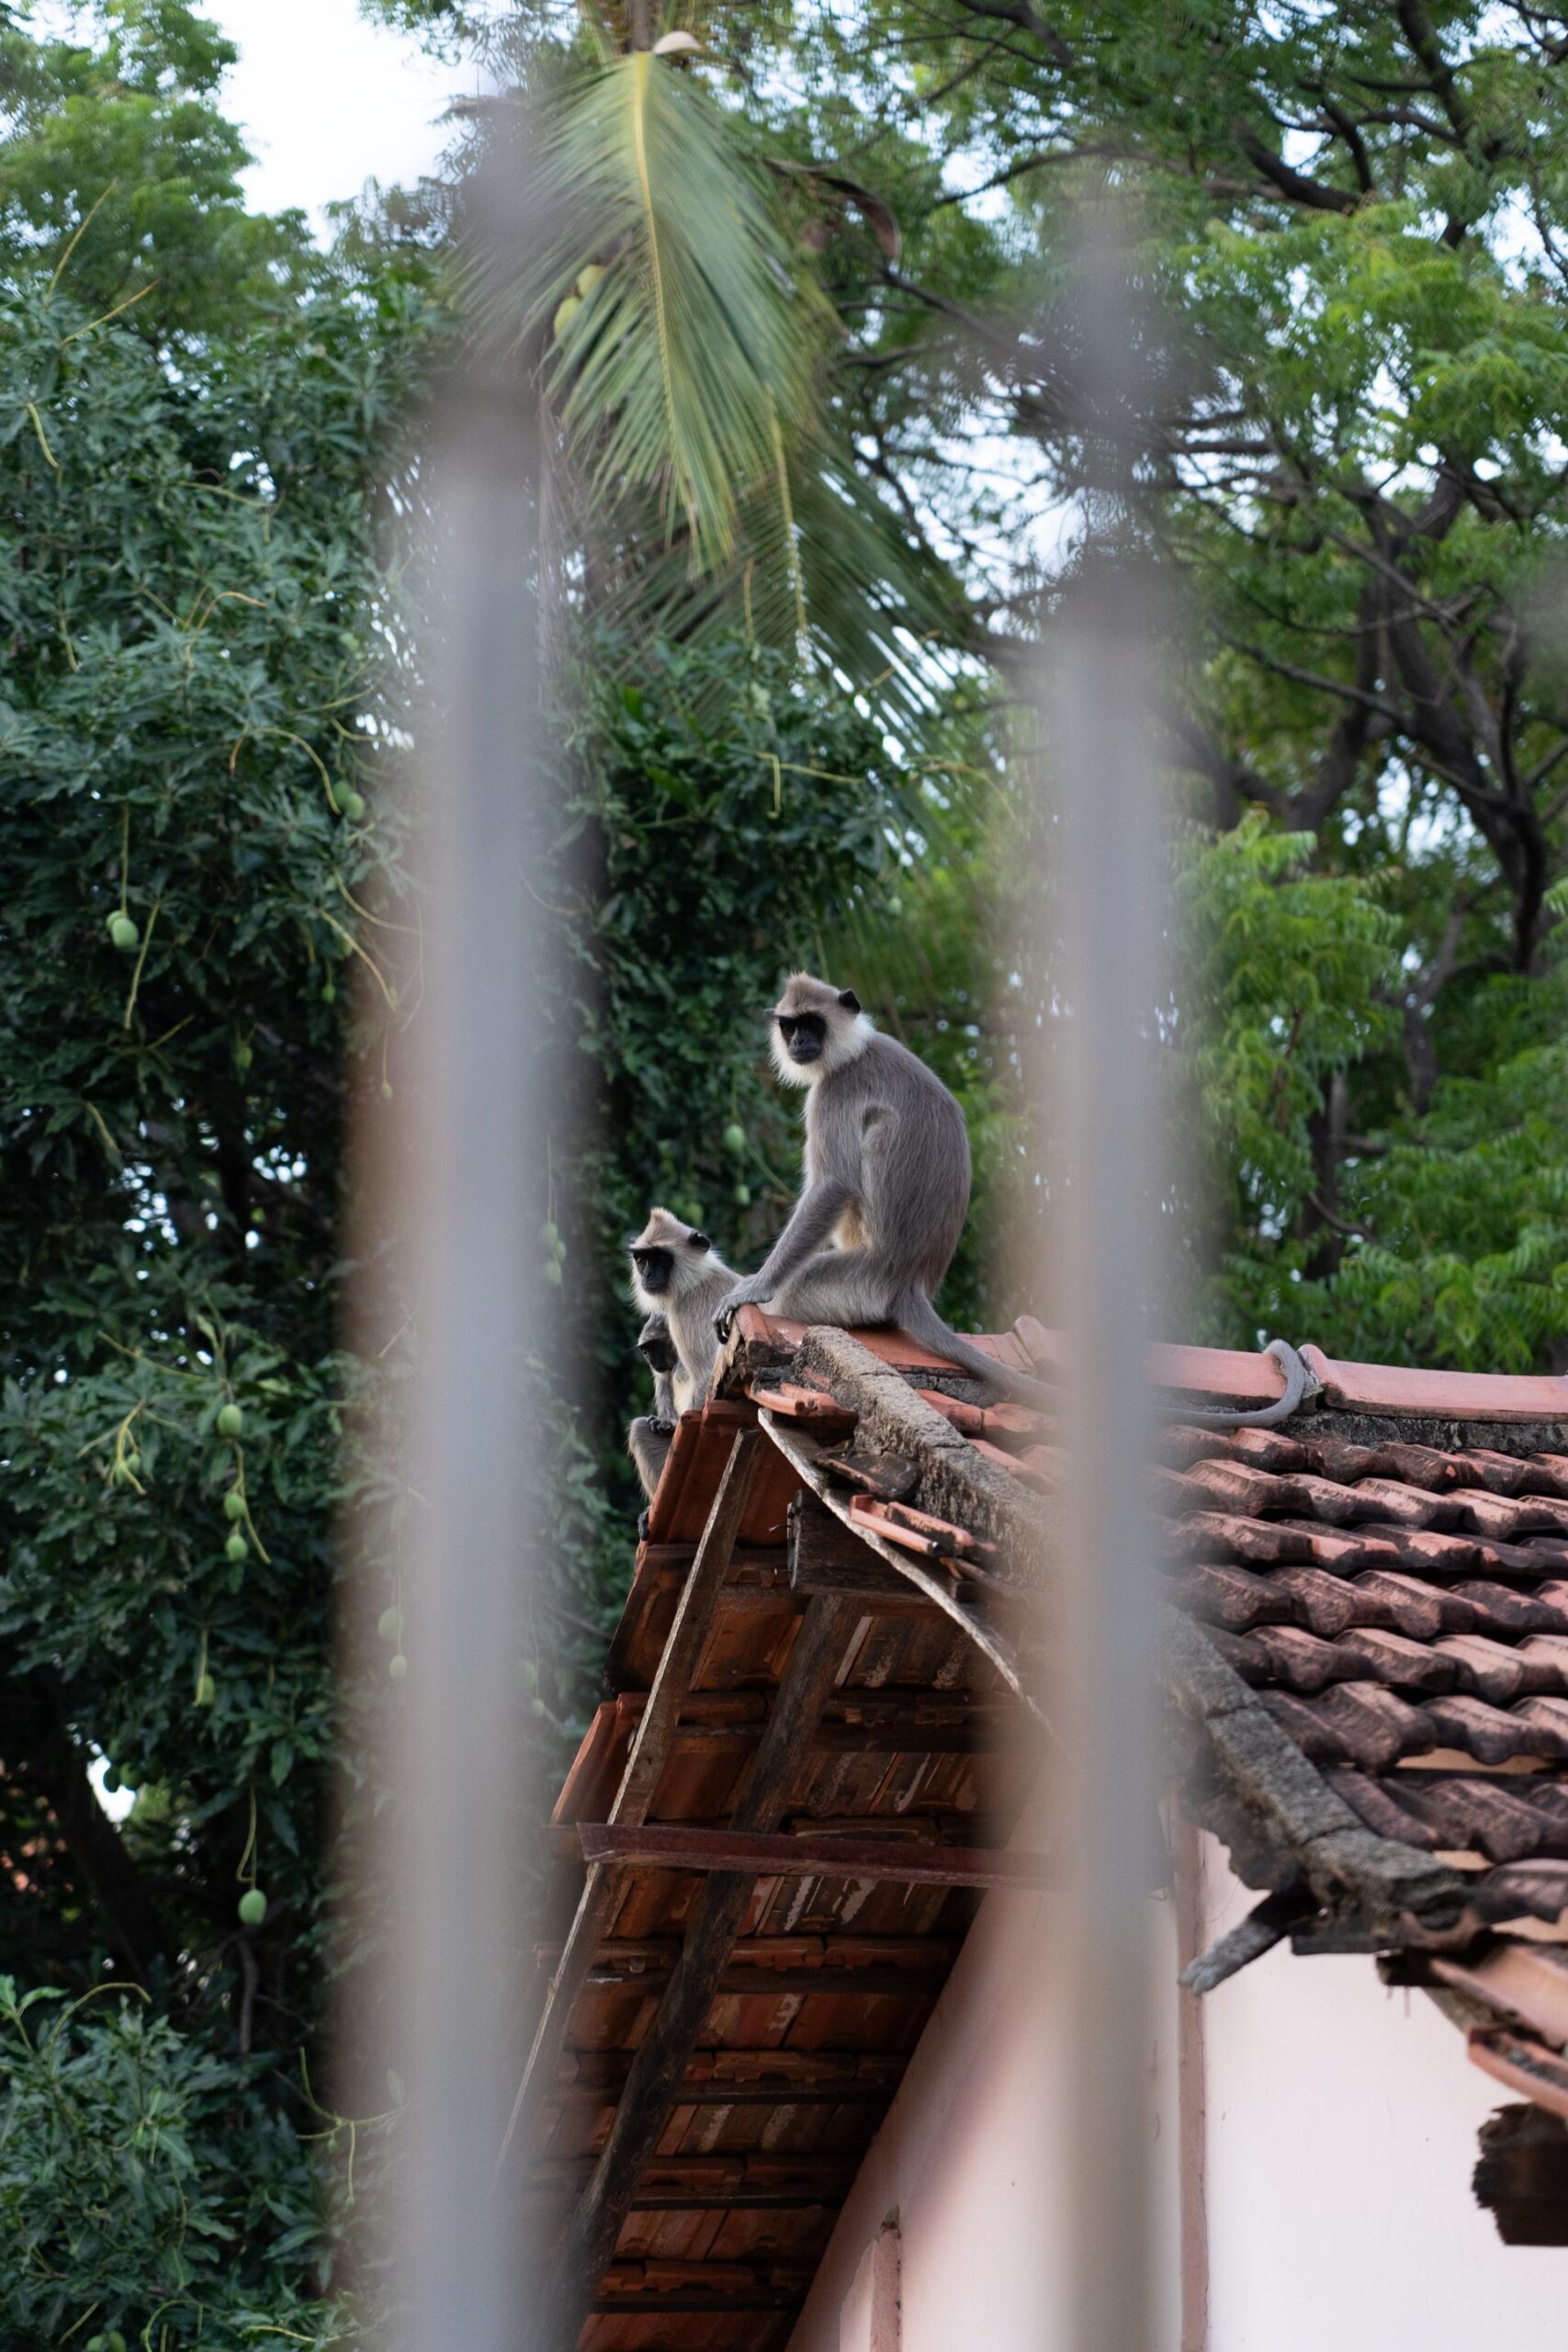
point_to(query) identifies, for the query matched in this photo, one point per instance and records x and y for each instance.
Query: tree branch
(1291, 183)
(40, 1751)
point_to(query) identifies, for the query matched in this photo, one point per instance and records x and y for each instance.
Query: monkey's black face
(654, 1269)
(659, 1352)
(804, 1034)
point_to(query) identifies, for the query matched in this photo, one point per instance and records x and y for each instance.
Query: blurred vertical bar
(467, 1153)
(1102, 835)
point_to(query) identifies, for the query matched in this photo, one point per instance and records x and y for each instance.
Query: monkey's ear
(698, 1241)
(849, 1000)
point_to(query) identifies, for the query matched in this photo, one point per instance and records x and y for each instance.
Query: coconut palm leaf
(820, 567)
(689, 360)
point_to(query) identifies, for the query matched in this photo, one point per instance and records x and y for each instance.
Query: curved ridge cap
(1349, 1386)
(1345, 1385)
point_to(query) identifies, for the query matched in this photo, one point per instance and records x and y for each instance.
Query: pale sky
(327, 100)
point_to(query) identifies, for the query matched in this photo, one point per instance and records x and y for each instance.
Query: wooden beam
(636, 1956)
(696, 2184)
(760, 1984)
(826, 1557)
(769, 2077)
(897, 1861)
(712, 1927)
(653, 2305)
(935, 1581)
(649, 1751)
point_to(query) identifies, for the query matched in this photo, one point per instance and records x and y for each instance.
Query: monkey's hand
(660, 1428)
(752, 1293)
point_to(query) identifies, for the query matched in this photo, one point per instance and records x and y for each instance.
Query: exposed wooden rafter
(662, 2056)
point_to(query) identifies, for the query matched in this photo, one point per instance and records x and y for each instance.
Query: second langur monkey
(648, 1438)
(677, 1273)
(678, 1278)
(885, 1187)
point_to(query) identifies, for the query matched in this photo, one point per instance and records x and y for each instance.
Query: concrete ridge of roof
(1236, 1376)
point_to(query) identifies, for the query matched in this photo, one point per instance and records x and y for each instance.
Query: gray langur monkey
(886, 1187)
(677, 1273)
(678, 1279)
(648, 1438)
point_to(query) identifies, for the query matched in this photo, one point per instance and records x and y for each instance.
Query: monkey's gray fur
(648, 1437)
(886, 1189)
(678, 1279)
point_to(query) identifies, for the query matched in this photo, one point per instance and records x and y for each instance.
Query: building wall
(1341, 2123)
(963, 2162)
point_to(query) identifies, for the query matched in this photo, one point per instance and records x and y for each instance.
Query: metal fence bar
(1103, 834)
(468, 1142)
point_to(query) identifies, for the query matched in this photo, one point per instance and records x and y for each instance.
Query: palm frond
(821, 569)
(691, 356)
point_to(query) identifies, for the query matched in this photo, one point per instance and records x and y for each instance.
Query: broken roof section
(786, 1808)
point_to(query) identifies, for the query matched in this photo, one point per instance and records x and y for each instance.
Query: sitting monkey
(678, 1279)
(648, 1438)
(885, 1186)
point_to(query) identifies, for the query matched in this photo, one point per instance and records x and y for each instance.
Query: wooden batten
(904, 1862)
(662, 2056)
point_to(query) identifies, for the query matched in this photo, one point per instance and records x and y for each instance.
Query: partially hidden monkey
(678, 1279)
(648, 1438)
(886, 1187)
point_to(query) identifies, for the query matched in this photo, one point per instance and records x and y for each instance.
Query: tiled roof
(822, 1645)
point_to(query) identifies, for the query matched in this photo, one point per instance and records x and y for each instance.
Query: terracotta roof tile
(1284, 1653)
(1324, 1604)
(1486, 1668)
(1233, 1597)
(1343, 1551)
(1395, 1659)
(1387, 1808)
(1447, 1395)
(1420, 1611)
(1481, 1812)
(1545, 1659)
(1492, 1735)
(1501, 1610)
(1200, 1532)
(1394, 1606)
(1548, 1720)
(1401, 1505)
(1427, 1549)
(1353, 1722)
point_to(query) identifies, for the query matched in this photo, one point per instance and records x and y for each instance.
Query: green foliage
(146, 2182)
(1356, 227)
(193, 583)
(1286, 969)
(721, 820)
(685, 364)
(116, 148)
(705, 481)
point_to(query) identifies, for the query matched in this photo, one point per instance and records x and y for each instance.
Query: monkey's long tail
(917, 1315)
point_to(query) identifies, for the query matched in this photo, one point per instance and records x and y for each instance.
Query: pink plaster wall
(1342, 2120)
(963, 2164)
(1341, 2123)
